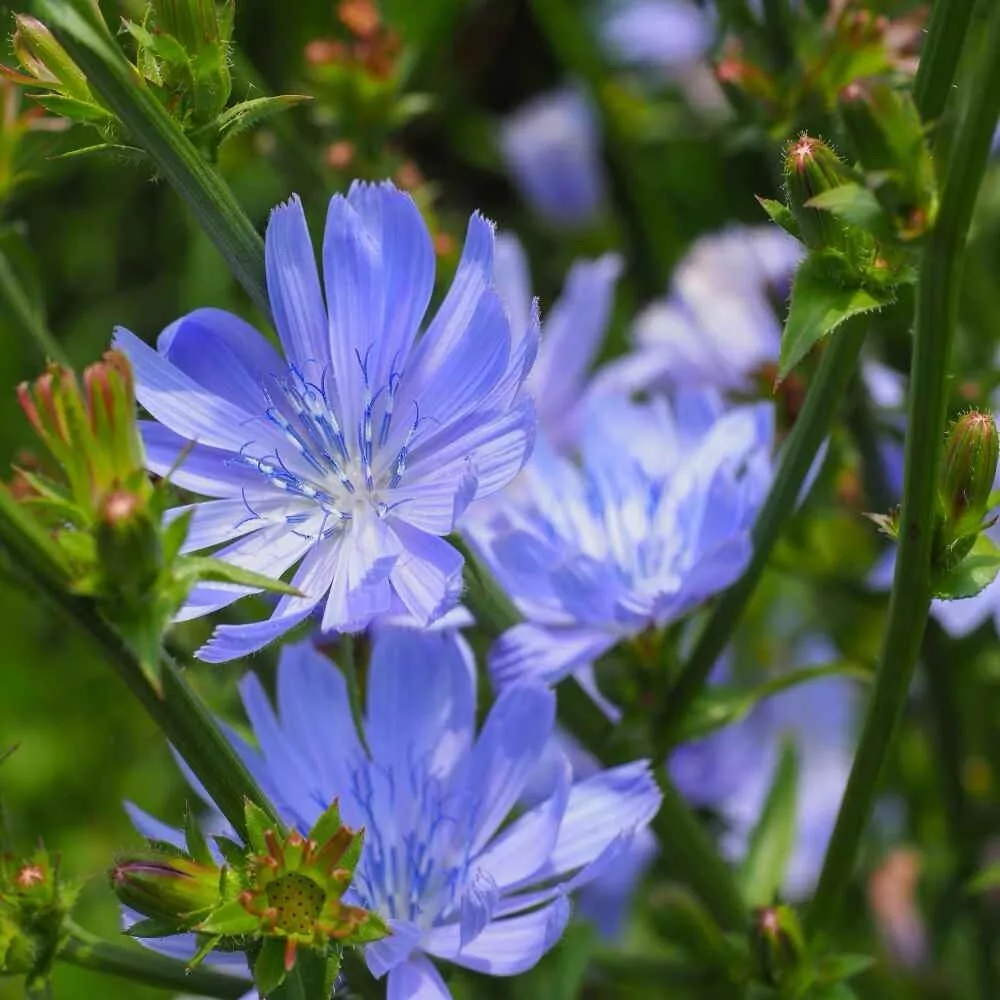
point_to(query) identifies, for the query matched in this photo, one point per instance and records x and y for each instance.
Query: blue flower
(718, 325)
(433, 797)
(355, 451)
(654, 520)
(573, 332)
(667, 35)
(551, 146)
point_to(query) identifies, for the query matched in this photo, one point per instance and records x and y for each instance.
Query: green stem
(937, 306)
(140, 965)
(176, 709)
(939, 59)
(812, 426)
(82, 32)
(18, 306)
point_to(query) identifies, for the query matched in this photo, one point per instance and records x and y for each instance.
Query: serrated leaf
(781, 215)
(269, 966)
(199, 569)
(233, 853)
(328, 824)
(763, 870)
(258, 823)
(174, 534)
(819, 305)
(194, 838)
(131, 153)
(80, 111)
(973, 574)
(373, 929)
(854, 204)
(722, 706)
(242, 116)
(229, 919)
(153, 928)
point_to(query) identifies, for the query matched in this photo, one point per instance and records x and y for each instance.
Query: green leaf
(773, 838)
(269, 966)
(258, 823)
(560, 974)
(229, 919)
(240, 117)
(194, 838)
(973, 574)
(202, 568)
(835, 968)
(679, 917)
(820, 303)
(855, 205)
(78, 111)
(153, 928)
(328, 823)
(722, 706)
(987, 880)
(78, 26)
(781, 214)
(234, 853)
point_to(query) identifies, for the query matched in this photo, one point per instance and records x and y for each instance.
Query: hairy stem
(937, 302)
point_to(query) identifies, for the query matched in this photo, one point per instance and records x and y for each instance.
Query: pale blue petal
(224, 354)
(427, 576)
(545, 654)
(421, 700)
(316, 717)
(601, 808)
(477, 906)
(293, 287)
(506, 947)
(216, 521)
(152, 828)
(506, 753)
(417, 979)
(385, 955)
(182, 404)
(524, 847)
(662, 34)
(512, 280)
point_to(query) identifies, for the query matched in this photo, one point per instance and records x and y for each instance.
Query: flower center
(338, 469)
(297, 901)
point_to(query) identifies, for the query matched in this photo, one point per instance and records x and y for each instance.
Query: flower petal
(216, 521)
(175, 399)
(421, 699)
(544, 654)
(427, 577)
(152, 828)
(222, 353)
(507, 751)
(416, 979)
(293, 286)
(506, 947)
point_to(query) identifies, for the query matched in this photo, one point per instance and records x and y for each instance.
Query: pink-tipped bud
(970, 466)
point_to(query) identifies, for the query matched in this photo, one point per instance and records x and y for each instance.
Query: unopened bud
(129, 552)
(812, 167)
(970, 466)
(43, 58)
(164, 887)
(779, 942)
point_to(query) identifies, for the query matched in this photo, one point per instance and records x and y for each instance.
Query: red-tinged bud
(129, 548)
(340, 155)
(812, 167)
(779, 942)
(46, 61)
(360, 17)
(970, 466)
(166, 888)
(325, 52)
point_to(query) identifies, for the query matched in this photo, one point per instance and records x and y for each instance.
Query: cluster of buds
(281, 893)
(106, 518)
(16, 122)
(34, 906)
(787, 73)
(368, 46)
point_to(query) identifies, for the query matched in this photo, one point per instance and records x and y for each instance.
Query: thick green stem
(85, 37)
(937, 302)
(177, 710)
(812, 426)
(940, 56)
(140, 965)
(16, 304)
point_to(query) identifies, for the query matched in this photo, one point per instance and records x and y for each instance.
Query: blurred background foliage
(99, 241)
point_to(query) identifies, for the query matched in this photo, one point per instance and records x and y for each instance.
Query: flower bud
(812, 167)
(970, 466)
(46, 61)
(129, 551)
(171, 889)
(778, 940)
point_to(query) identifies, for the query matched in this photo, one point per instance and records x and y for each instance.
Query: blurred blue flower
(665, 35)
(655, 520)
(551, 147)
(730, 771)
(719, 324)
(433, 798)
(573, 331)
(358, 449)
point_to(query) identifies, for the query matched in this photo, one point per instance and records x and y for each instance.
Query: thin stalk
(140, 965)
(812, 426)
(81, 31)
(18, 306)
(937, 307)
(176, 709)
(941, 53)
